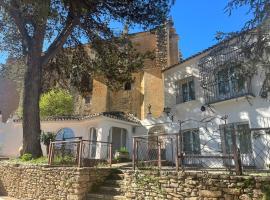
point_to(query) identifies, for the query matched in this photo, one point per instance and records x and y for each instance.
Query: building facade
(218, 110)
(147, 85)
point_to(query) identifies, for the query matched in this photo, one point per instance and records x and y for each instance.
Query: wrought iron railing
(214, 153)
(79, 152)
(225, 90)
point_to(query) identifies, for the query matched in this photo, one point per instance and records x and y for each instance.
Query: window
(191, 142)
(93, 143)
(87, 99)
(64, 134)
(230, 83)
(185, 90)
(243, 137)
(127, 86)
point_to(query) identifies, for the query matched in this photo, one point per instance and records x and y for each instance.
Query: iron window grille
(221, 75)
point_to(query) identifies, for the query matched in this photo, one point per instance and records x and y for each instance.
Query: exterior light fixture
(167, 110)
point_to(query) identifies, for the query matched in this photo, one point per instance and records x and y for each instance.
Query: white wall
(11, 132)
(254, 110)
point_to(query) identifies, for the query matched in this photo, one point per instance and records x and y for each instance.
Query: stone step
(116, 177)
(111, 182)
(7, 198)
(95, 196)
(109, 190)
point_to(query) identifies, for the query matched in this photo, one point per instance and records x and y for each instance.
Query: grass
(38, 161)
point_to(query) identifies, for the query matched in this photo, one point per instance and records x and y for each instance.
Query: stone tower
(147, 87)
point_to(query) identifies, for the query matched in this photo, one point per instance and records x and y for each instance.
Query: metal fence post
(80, 153)
(133, 153)
(110, 154)
(159, 154)
(236, 154)
(137, 153)
(180, 151)
(177, 154)
(51, 154)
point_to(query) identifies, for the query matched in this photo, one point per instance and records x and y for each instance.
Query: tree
(250, 45)
(37, 30)
(56, 102)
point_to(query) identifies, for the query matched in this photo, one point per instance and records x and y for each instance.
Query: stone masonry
(150, 185)
(47, 183)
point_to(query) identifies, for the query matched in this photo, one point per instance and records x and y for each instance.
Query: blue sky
(197, 21)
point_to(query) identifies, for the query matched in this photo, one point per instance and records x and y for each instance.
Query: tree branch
(60, 39)
(15, 13)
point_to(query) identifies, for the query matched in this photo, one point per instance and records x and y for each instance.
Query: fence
(233, 148)
(79, 152)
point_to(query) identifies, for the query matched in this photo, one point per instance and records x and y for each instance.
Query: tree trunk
(31, 118)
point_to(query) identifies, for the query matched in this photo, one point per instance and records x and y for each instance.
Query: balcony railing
(226, 90)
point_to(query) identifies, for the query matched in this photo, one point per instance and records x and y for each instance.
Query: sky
(196, 22)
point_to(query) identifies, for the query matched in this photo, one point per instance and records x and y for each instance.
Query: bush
(46, 137)
(26, 157)
(56, 102)
(123, 150)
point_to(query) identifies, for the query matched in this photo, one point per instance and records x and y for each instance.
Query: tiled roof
(114, 115)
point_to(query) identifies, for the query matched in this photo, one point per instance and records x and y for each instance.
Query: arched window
(65, 134)
(92, 143)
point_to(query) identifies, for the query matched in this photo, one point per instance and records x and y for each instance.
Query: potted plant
(46, 138)
(122, 154)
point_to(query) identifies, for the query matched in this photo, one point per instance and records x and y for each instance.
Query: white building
(209, 101)
(204, 90)
(115, 127)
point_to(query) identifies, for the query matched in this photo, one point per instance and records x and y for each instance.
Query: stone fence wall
(47, 183)
(194, 186)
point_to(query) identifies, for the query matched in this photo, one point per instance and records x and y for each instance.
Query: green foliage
(64, 160)
(123, 150)
(266, 192)
(26, 157)
(56, 102)
(46, 137)
(26, 25)
(151, 182)
(32, 161)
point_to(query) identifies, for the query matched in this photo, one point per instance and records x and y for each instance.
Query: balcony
(226, 90)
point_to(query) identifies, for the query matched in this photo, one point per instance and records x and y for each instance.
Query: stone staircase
(110, 189)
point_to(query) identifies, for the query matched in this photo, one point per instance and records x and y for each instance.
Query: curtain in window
(223, 83)
(185, 92)
(191, 90)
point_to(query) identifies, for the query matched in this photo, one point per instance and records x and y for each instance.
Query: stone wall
(44, 183)
(194, 186)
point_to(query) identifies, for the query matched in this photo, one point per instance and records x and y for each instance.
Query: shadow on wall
(9, 98)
